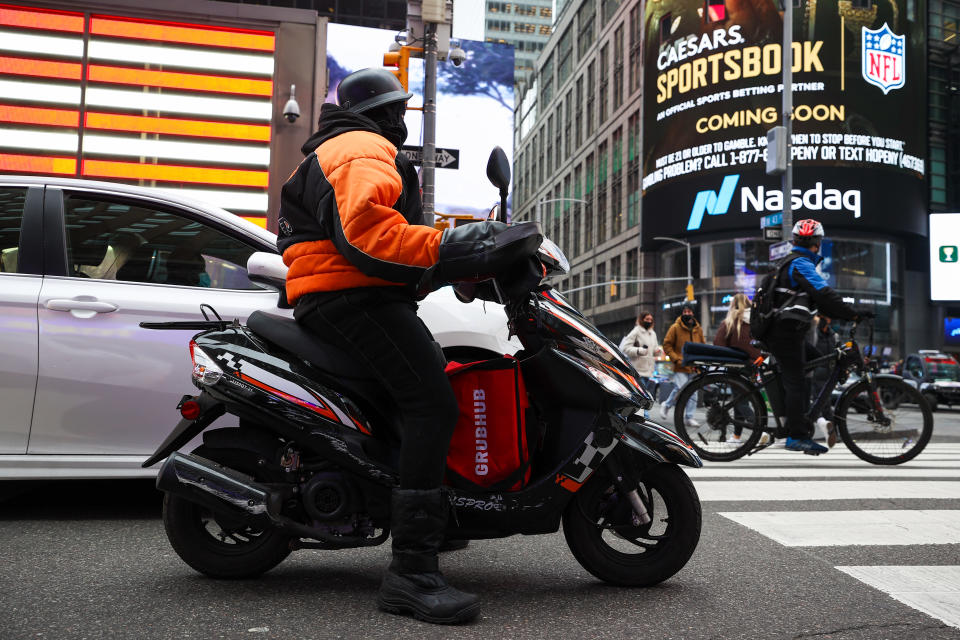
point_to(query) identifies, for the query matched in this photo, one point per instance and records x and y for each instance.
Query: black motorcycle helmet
(369, 88)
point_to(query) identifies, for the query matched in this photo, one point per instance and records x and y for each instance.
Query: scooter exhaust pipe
(214, 486)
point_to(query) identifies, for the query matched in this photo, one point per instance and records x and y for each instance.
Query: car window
(915, 368)
(11, 216)
(132, 241)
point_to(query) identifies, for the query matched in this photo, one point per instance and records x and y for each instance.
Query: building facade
(579, 132)
(378, 14)
(577, 158)
(525, 25)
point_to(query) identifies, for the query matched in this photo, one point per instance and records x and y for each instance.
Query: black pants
(789, 346)
(381, 328)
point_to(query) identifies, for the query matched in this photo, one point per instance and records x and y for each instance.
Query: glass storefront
(867, 273)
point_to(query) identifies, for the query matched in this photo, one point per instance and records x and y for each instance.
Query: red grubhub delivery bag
(489, 446)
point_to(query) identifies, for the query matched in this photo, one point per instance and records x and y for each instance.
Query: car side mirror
(498, 172)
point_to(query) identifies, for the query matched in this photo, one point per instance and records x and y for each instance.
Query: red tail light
(190, 409)
(193, 345)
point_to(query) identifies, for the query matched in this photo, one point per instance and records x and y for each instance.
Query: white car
(87, 393)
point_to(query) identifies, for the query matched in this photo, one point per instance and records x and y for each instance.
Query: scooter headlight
(610, 383)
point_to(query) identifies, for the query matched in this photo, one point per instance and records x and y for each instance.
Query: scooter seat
(697, 352)
(287, 334)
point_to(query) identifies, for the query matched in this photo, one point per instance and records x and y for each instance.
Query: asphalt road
(90, 560)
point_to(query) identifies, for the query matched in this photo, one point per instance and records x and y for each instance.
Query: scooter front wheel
(608, 540)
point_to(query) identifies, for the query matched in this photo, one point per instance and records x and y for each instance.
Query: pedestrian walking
(685, 329)
(734, 332)
(641, 346)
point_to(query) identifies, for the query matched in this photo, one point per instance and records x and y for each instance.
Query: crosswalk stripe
(853, 528)
(934, 590)
(771, 490)
(825, 472)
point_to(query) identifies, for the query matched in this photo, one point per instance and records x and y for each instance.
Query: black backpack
(763, 311)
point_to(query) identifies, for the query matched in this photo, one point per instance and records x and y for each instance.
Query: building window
(498, 25)
(566, 216)
(549, 145)
(546, 12)
(607, 9)
(588, 292)
(568, 123)
(633, 170)
(591, 88)
(541, 157)
(565, 56)
(635, 39)
(574, 285)
(498, 7)
(615, 278)
(546, 82)
(618, 67)
(616, 182)
(604, 53)
(602, 193)
(578, 120)
(525, 9)
(577, 209)
(585, 18)
(602, 281)
(632, 273)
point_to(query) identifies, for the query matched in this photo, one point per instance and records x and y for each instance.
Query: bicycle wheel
(893, 436)
(724, 406)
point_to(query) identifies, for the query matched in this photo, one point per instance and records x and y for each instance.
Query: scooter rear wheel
(218, 546)
(602, 533)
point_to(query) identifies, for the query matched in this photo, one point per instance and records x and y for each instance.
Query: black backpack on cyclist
(763, 311)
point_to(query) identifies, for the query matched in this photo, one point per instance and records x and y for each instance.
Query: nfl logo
(884, 57)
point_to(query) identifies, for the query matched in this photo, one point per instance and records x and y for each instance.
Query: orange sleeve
(361, 168)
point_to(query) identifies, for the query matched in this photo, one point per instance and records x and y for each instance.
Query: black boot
(413, 583)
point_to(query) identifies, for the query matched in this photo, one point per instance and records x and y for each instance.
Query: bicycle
(738, 396)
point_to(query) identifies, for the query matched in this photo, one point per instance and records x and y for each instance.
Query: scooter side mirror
(498, 170)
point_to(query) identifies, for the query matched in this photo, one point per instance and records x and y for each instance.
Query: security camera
(457, 56)
(291, 110)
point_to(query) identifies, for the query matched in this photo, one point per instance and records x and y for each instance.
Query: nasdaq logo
(712, 203)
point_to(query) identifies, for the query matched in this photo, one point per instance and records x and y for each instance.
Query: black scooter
(314, 457)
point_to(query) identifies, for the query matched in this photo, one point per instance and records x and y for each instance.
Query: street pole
(429, 119)
(786, 181)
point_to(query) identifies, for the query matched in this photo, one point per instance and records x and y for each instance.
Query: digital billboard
(474, 108)
(178, 106)
(713, 89)
(945, 256)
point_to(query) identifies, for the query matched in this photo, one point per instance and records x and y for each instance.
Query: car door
(20, 281)
(105, 385)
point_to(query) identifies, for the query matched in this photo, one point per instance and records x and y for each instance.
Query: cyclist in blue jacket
(800, 292)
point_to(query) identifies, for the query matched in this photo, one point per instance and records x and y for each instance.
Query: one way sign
(445, 158)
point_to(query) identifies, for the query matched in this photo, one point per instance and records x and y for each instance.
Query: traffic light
(690, 292)
(613, 289)
(401, 61)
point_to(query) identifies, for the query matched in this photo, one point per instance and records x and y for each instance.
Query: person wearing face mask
(640, 345)
(685, 329)
(359, 257)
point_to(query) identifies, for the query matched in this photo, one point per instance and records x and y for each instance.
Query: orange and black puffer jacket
(350, 215)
